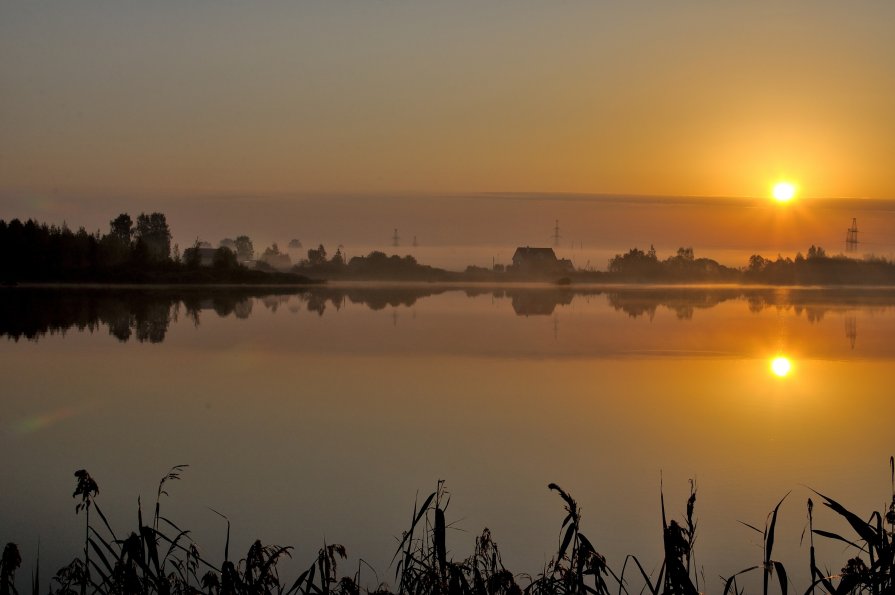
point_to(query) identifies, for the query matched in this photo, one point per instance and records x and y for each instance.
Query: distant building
(539, 261)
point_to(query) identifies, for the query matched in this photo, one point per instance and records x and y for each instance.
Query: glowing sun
(784, 191)
(781, 366)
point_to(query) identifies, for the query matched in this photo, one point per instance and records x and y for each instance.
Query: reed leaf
(570, 533)
(821, 580)
(147, 535)
(781, 577)
(769, 541)
(227, 542)
(837, 537)
(35, 575)
(99, 552)
(654, 589)
(862, 528)
(104, 520)
(730, 580)
(440, 540)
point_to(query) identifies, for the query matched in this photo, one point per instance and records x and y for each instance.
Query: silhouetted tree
(153, 232)
(276, 259)
(122, 228)
(757, 263)
(634, 263)
(272, 250)
(191, 256)
(816, 252)
(244, 249)
(338, 258)
(225, 259)
(317, 257)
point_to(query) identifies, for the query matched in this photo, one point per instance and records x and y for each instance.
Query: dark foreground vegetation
(158, 556)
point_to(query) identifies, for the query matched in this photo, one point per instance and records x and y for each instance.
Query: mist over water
(312, 415)
(454, 231)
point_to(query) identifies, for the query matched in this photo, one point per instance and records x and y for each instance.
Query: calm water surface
(319, 415)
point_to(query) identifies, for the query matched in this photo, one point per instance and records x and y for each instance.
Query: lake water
(312, 415)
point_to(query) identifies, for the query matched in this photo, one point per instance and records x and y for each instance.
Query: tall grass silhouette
(874, 538)
(158, 557)
(768, 565)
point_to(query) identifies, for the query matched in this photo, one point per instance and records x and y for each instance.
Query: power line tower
(396, 240)
(556, 235)
(851, 330)
(851, 236)
(415, 244)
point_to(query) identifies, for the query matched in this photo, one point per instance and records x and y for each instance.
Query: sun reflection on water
(781, 366)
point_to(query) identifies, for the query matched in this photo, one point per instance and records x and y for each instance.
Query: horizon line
(522, 195)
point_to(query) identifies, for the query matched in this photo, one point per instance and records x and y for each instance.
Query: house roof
(529, 252)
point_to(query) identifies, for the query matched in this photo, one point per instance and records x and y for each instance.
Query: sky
(126, 104)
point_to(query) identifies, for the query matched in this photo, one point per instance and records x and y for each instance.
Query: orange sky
(689, 98)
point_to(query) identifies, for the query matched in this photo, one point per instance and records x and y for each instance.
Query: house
(539, 261)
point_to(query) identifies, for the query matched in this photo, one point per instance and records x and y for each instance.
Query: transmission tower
(851, 236)
(851, 330)
(556, 235)
(396, 240)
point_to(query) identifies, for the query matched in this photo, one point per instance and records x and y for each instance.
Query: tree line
(141, 251)
(815, 268)
(133, 251)
(32, 251)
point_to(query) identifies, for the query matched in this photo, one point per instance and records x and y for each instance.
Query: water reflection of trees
(683, 302)
(375, 298)
(140, 314)
(816, 303)
(686, 302)
(146, 314)
(813, 303)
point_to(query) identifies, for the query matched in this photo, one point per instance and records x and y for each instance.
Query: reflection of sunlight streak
(781, 366)
(39, 422)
